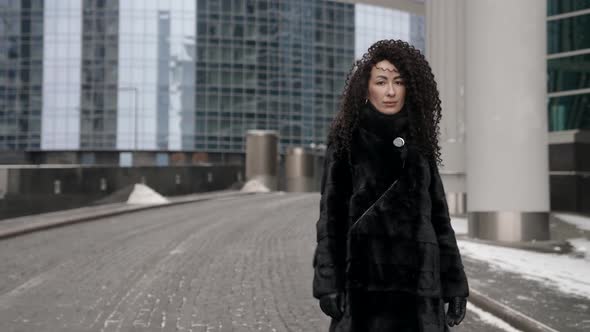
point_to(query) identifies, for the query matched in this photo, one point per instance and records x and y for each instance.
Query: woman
(386, 256)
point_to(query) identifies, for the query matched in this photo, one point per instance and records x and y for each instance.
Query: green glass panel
(569, 73)
(569, 112)
(568, 34)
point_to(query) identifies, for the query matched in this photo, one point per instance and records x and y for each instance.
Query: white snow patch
(255, 186)
(459, 225)
(490, 319)
(581, 246)
(565, 273)
(525, 298)
(143, 194)
(580, 222)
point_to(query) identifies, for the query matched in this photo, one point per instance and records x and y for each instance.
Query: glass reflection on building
(155, 90)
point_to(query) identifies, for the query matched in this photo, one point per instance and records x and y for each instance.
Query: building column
(506, 141)
(445, 51)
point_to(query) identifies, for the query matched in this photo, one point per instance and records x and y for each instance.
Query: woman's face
(387, 91)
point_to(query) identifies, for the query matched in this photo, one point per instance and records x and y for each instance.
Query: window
(568, 34)
(569, 73)
(569, 112)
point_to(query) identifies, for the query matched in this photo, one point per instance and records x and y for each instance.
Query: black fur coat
(384, 231)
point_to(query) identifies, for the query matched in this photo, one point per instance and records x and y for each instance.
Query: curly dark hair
(421, 97)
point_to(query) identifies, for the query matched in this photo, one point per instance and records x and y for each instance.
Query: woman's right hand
(333, 305)
(456, 310)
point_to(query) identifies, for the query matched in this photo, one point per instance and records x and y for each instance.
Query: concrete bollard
(262, 157)
(299, 170)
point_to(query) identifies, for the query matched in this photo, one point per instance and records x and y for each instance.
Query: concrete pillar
(445, 51)
(505, 97)
(262, 157)
(299, 170)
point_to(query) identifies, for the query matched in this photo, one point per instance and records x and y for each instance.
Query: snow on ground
(579, 221)
(255, 186)
(567, 274)
(490, 319)
(581, 246)
(143, 194)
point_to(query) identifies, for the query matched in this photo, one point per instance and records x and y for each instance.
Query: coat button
(399, 142)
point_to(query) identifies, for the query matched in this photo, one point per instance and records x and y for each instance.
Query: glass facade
(276, 65)
(179, 75)
(21, 74)
(568, 65)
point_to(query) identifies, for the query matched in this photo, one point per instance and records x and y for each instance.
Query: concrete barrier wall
(32, 190)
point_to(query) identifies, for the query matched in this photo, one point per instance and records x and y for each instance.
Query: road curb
(26, 229)
(560, 247)
(511, 316)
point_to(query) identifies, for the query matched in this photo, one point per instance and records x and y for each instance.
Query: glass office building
(568, 62)
(275, 65)
(93, 80)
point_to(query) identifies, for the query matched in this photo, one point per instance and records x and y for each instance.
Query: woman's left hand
(456, 311)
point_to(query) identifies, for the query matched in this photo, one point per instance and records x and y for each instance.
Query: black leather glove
(456, 311)
(333, 305)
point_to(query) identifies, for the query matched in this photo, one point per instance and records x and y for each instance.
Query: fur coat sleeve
(330, 254)
(452, 275)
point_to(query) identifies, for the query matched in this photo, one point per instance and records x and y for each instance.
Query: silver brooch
(399, 142)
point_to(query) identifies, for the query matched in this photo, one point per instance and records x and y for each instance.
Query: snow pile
(580, 222)
(255, 186)
(143, 194)
(568, 274)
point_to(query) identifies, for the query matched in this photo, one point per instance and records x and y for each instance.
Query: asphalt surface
(228, 264)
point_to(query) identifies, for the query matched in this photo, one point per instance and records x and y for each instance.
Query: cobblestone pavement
(230, 264)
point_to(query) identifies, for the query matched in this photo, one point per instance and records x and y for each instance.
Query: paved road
(233, 264)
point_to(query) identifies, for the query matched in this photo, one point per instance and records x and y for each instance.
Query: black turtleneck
(385, 126)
